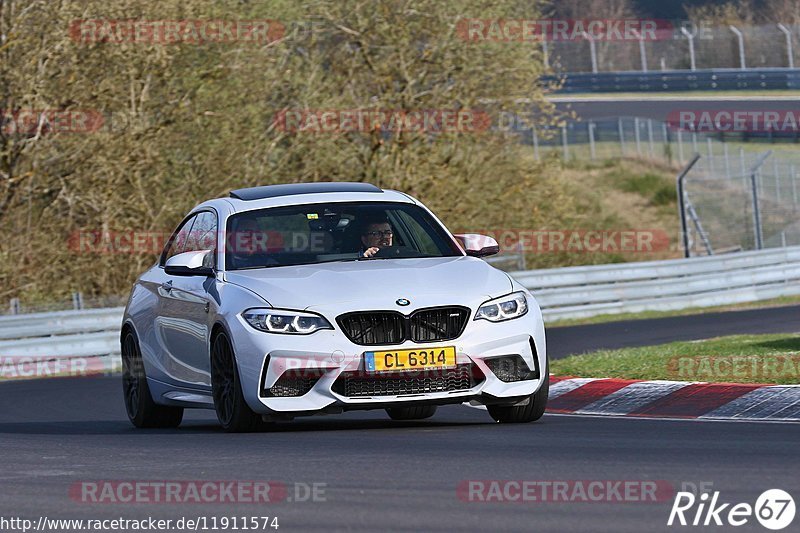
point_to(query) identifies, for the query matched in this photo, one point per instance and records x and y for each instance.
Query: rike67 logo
(774, 509)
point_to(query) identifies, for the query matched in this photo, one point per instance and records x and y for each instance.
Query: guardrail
(563, 293)
(579, 292)
(680, 80)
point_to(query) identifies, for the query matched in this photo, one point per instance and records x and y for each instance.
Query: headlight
(285, 321)
(507, 307)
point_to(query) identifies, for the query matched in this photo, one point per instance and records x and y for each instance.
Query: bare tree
(182, 123)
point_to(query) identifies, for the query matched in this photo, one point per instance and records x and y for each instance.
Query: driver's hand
(371, 252)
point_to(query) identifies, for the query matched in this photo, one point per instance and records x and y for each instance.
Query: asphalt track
(384, 475)
(659, 108)
(379, 475)
(565, 341)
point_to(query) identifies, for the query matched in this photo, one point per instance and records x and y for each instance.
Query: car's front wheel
(142, 411)
(418, 412)
(233, 413)
(530, 412)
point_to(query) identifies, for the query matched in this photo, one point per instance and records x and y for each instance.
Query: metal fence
(576, 292)
(685, 47)
(76, 302)
(641, 138)
(743, 193)
(756, 79)
(750, 202)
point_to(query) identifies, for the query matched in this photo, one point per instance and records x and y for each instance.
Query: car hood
(376, 284)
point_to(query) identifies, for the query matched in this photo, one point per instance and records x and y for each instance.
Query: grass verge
(771, 359)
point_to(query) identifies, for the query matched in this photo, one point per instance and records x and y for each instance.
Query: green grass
(736, 359)
(655, 188)
(601, 319)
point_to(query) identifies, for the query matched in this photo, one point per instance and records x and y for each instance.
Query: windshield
(320, 233)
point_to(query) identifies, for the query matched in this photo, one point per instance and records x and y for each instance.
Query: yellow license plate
(399, 360)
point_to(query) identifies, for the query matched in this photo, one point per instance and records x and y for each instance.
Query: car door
(184, 302)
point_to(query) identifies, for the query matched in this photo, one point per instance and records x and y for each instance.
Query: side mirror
(190, 264)
(477, 245)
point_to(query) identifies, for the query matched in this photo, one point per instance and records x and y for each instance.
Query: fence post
(789, 52)
(14, 306)
(682, 204)
(793, 178)
(710, 148)
(535, 143)
(650, 138)
(694, 142)
(564, 142)
(642, 51)
(777, 179)
(638, 136)
(77, 301)
(667, 147)
(741, 162)
(621, 130)
(592, 50)
(680, 146)
(545, 52)
(758, 234)
(591, 141)
(740, 37)
(690, 37)
(727, 160)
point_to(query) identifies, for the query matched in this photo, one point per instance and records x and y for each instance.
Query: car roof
(305, 193)
(292, 189)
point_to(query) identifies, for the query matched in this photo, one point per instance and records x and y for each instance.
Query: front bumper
(328, 357)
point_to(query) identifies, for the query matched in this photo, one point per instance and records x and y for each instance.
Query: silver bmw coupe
(317, 298)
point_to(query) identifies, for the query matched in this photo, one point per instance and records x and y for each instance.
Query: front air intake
(376, 328)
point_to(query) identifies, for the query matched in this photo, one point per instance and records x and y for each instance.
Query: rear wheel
(233, 413)
(532, 411)
(142, 411)
(418, 412)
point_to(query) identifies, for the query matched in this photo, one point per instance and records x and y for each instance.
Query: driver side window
(203, 235)
(179, 239)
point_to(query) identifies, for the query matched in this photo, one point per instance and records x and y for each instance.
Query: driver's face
(377, 235)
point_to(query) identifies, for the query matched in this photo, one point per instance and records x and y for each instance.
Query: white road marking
(567, 385)
(762, 403)
(632, 397)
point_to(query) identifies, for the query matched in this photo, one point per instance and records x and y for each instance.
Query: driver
(376, 234)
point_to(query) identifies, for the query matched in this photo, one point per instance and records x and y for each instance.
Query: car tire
(418, 412)
(233, 413)
(532, 411)
(142, 411)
